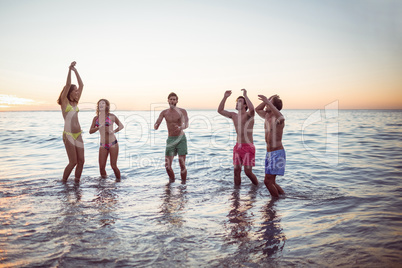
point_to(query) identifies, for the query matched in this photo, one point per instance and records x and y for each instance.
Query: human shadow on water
(174, 200)
(274, 238)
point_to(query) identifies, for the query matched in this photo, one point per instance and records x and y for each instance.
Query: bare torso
(273, 133)
(106, 132)
(71, 123)
(244, 125)
(175, 118)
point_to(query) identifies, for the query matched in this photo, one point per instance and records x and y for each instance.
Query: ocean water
(342, 208)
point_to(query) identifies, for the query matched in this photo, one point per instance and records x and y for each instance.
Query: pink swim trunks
(244, 154)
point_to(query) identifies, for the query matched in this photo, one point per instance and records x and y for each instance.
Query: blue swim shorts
(275, 162)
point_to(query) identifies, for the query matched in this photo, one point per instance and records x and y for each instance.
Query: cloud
(8, 100)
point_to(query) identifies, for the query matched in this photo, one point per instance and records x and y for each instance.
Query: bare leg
(72, 156)
(114, 153)
(79, 145)
(103, 154)
(168, 166)
(274, 189)
(237, 175)
(249, 172)
(280, 190)
(183, 169)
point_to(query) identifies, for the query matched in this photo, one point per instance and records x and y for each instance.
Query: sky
(134, 53)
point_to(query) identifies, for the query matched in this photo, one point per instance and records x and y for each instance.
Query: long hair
(107, 110)
(72, 87)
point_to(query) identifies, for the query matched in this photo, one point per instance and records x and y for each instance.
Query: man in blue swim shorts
(274, 123)
(275, 162)
(176, 143)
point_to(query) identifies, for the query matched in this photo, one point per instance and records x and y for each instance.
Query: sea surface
(342, 208)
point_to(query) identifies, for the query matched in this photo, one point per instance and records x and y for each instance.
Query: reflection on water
(239, 223)
(174, 200)
(83, 225)
(271, 230)
(106, 201)
(239, 226)
(68, 221)
(70, 208)
(343, 216)
(71, 194)
(263, 244)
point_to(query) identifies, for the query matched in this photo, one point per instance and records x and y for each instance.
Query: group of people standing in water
(177, 120)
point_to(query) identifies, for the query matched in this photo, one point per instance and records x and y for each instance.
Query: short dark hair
(277, 102)
(172, 94)
(245, 103)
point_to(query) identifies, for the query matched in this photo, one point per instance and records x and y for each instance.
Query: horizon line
(201, 109)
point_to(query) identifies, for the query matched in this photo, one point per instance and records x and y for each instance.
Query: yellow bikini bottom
(74, 135)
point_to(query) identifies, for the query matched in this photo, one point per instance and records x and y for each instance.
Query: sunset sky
(135, 53)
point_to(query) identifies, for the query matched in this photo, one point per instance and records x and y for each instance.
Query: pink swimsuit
(244, 154)
(108, 122)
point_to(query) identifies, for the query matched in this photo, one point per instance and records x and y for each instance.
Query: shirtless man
(176, 120)
(244, 150)
(275, 159)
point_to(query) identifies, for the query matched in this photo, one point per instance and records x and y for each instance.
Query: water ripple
(346, 214)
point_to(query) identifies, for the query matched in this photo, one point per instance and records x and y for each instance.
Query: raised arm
(79, 80)
(63, 95)
(119, 124)
(260, 110)
(279, 117)
(222, 105)
(159, 120)
(250, 105)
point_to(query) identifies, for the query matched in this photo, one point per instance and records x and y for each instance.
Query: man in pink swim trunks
(244, 150)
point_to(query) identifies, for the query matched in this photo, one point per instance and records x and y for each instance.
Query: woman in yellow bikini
(103, 121)
(68, 100)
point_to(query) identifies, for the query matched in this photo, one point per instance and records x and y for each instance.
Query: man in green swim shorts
(176, 143)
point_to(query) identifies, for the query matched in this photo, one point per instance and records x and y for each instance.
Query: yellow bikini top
(70, 108)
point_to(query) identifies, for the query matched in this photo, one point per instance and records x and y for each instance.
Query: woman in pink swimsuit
(68, 101)
(103, 121)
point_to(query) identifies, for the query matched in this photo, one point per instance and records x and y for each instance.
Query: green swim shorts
(176, 145)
